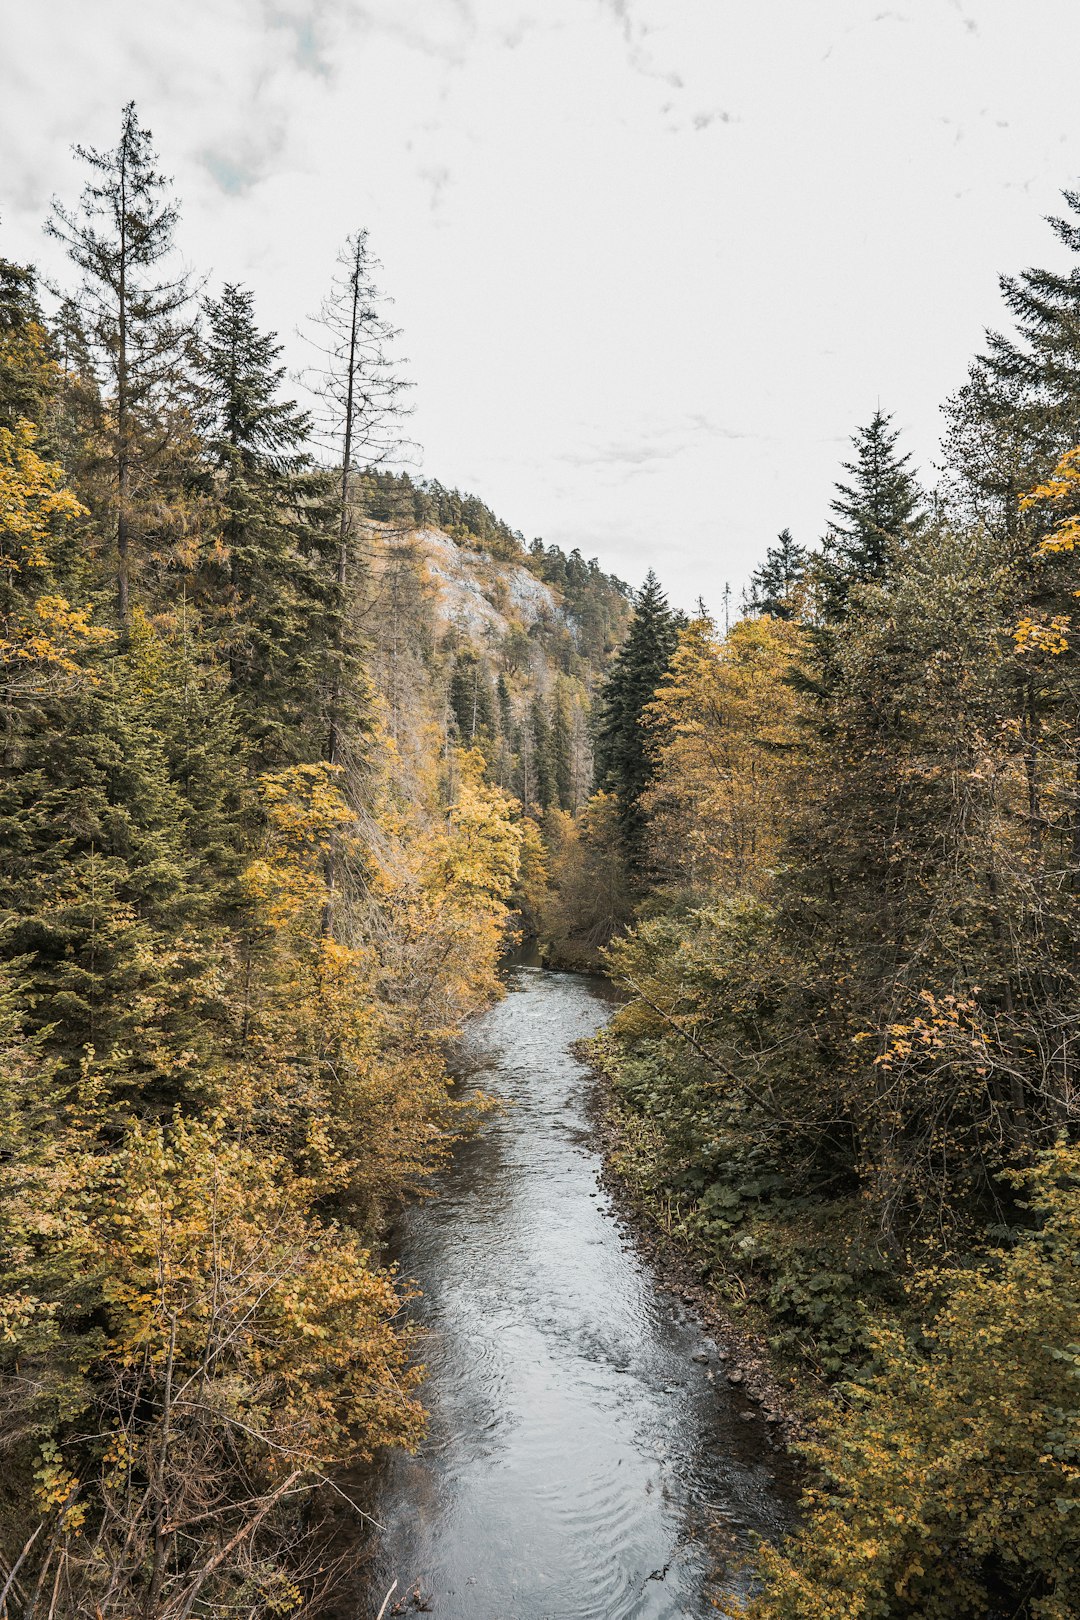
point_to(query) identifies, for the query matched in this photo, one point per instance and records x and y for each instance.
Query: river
(578, 1446)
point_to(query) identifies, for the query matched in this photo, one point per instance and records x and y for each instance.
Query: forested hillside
(265, 802)
(297, 743)
(847, 1065)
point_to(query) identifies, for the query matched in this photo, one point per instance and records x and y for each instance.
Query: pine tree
(134, 316)
(470, 698)
(873, 514)
(244, 420)
(274, 524)
(506, 710)
(1039, 368)
(1019, 410)
(119, 815)
(27, 372)
(773, 585)
(562, 746)
(542, 755)
(362, 400)
(624, 749)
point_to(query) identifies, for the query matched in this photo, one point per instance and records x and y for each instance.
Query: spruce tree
(470, 698)
(25, 375)
(245, 422)
(1039, 367)
(1019, 410)
(772, 586)
(120, 819)
(624, 749)
(270, 611)
(543, 758)
(873, 514)
(134, 314)
(562, 746)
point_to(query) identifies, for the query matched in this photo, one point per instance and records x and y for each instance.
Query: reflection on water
(576, 1447)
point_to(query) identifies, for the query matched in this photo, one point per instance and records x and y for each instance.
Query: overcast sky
(653, 259)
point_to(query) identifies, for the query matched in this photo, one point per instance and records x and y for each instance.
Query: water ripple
(575, 1449)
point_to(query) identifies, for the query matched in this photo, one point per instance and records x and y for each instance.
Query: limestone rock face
(479, 594)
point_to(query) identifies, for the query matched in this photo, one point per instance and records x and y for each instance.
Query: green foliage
(133, 313)
(774, 586)
(264, 575)
(874, 515)
(951, 1484)
(624, 746)
(406, 502)
(844, 1064)
(27, 376)
(251, 883)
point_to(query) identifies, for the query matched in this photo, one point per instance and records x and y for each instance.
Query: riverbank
(788, 1405)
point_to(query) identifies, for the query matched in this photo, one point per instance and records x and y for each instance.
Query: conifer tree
(470, 697)
(624, 749)
(119, 816)
(542, 755)
(1038, 369)
(562, 746)
(26, 377)
(1019, 410)
(274, 526)
(772, 586)
(362, 400)
(245, 421)
(872, 515)
(133, 312)
(506, 710)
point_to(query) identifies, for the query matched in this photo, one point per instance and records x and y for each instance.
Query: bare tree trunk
(157, 1569)
(334, 742)
(1031, 768)
(123, 426)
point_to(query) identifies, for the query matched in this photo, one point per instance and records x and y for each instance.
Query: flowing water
(578, 1447)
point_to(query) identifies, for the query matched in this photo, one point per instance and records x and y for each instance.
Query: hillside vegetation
(296, 744)
(268, 765)
(847, 1063)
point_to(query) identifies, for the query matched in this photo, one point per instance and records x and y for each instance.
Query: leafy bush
(951, 1487)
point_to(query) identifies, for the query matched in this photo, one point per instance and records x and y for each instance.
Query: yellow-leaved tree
(342, 1033)
(41, 633)
(731, 751)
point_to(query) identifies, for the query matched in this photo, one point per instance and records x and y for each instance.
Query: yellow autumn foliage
(951, 1484)
(349, 1028)
(41, 633)
(731, 751)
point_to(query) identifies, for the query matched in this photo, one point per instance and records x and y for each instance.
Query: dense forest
(269, 805)
(846, 1068)
(298, 742)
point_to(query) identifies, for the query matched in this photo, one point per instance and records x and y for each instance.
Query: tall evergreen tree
(624, 749)
(274, 525)
(470, 697)
(118, 813)
(120, 238)
(562, 746)
(872, 514)
(1020, 407)
(772, 586)
(245, 421)
(543, 757)
(1039, 367)
(24, 373)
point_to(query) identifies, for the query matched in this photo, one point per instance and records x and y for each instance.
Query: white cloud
(653, 262)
